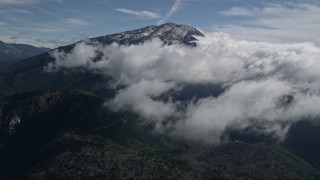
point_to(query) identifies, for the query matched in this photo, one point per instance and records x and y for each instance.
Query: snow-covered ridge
(169, 33)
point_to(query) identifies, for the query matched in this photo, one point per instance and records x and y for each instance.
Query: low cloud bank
(269, 85)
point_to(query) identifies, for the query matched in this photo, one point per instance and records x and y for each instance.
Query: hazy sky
(58, 22)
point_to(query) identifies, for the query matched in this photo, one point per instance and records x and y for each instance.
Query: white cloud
(173, 9)
(138, 97)
(140, 14)
(244, 101)
(276, 23)
(82, 53)
(258, 77)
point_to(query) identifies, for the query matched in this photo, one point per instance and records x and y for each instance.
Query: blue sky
(53, 23)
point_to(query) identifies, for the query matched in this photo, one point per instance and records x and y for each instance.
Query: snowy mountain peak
(169, 33)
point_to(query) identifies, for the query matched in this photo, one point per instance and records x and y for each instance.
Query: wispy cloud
(17, 2)
(45, 11)
(76, 22)
(141, 14)
(238, 11)
(2, 23)
(276, 23)
(173, 9)
(60, 26)
(12, 10)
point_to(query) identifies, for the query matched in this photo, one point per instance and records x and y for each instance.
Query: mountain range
(57, 126)
(28, 75)
(11, 53)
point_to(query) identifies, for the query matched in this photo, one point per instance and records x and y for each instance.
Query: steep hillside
(303, 140)
(69, 134)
